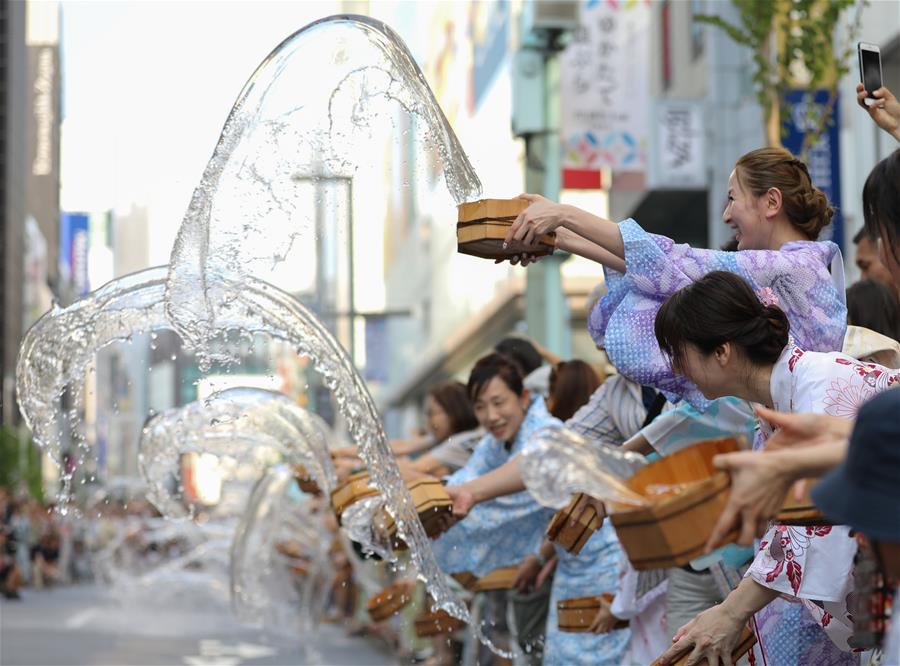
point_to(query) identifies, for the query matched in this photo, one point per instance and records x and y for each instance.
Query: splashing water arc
(289, 121)
(295, 121)
(232, 422)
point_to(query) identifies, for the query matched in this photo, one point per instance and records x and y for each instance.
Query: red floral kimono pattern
(814, 564)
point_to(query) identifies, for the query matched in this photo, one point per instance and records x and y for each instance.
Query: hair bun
(817, 209)
(776, 321)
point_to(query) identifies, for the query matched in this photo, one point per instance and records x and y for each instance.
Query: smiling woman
(776, 213)
(500, 532)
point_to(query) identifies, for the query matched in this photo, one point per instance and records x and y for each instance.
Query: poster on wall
(678, 157)
(605, 88)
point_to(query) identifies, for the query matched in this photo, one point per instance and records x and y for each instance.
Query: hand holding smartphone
(869, 69)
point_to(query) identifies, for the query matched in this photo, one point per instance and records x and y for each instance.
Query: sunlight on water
(292, 121)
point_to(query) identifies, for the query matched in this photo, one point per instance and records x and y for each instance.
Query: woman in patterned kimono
(776, 214)
(501, 532)
(727, 341)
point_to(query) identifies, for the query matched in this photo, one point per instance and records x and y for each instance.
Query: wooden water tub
(306, 481)
(436, 622)
(687, 495)
(482, 225)
(576, 615)
(432, 504)
(389, 601)
(355, 488)
(572, 535)
(498, 579)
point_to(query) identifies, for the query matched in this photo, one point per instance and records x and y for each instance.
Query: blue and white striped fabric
(501, 532)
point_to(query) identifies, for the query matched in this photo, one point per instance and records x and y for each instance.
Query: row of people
(716, 331)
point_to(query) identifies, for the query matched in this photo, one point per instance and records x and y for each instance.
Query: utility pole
(536, 118)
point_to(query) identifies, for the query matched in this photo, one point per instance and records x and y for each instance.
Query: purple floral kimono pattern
(656, 267)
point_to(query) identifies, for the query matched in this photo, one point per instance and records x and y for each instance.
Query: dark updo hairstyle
(881, 203)
(494, 365)
(720, 307)
(805, 205)
(571, 385)
(454, 400)
(874, 305)
(522, 352)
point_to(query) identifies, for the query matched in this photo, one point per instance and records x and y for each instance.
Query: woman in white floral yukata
(729, 340)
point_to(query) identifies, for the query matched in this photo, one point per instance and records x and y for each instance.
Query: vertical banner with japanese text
(605, 89)
(805, 110)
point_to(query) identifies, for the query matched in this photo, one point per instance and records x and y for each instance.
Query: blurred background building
(630, 109)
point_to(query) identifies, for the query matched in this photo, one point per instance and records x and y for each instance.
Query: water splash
(291, 121)
(262, 585)
(560, 463)
(234, 422)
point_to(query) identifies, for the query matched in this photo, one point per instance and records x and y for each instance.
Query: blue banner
(805, 108)
(73, 250)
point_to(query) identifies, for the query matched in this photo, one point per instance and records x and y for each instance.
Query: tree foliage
(793, 43)
(20, 462)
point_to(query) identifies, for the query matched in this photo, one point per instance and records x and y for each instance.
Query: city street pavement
(78, 625)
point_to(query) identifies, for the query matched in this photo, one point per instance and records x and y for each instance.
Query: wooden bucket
(467, 579)
(432, 502)
(306, 481)
(482, 225)
(355, 488)
(571, 536)
(745, 642)
(436, 622)
(674, 529)
(576, 615)
(801, 511)
(498, 579)
(389, 601)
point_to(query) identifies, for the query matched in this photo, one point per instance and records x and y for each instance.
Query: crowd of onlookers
(37, 548)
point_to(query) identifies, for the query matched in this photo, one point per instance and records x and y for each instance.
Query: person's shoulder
(825, 249)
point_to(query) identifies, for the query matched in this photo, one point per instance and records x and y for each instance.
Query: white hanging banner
(678, 149)
(605, 87)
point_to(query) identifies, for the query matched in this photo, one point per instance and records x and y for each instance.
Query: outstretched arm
(571, 242)
(505, 480)
(543, 216)
(805, 445)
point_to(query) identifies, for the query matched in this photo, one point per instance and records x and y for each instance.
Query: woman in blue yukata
(501, 532)
(614, 412)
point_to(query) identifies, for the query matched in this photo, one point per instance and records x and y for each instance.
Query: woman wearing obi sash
(501, 532)
(729, 340)
(776, 214)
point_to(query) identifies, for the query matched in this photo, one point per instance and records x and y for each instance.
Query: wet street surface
(86, 625)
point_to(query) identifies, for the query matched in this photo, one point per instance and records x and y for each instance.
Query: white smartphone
(869, 68)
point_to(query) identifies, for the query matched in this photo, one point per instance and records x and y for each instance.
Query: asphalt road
(78, 625)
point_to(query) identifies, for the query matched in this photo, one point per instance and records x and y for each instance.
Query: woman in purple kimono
(776, 214)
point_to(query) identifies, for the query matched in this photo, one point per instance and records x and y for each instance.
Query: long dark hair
(881, 203)
(571, 386)
(873, 304)
(494, 365)
(454, 400)
(720, 307)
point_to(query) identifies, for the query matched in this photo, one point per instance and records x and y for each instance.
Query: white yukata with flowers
(811, 564)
